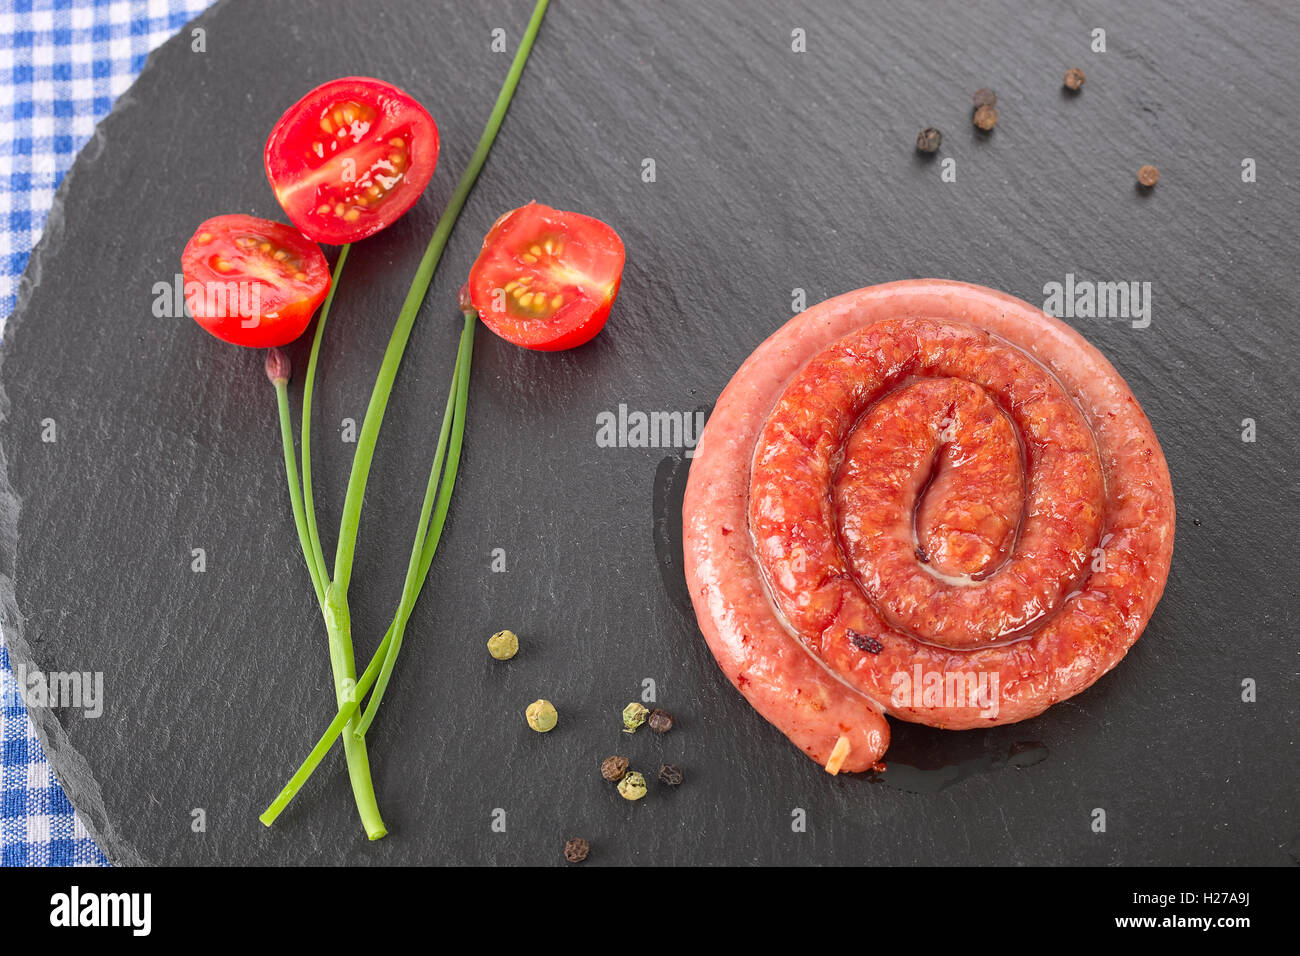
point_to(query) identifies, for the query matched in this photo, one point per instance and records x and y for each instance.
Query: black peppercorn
(865, 642)
(985, 97)
(928, 140)
(1074, 79)
(670, 776)
(660, 721)
(576, 850)
(613, 768)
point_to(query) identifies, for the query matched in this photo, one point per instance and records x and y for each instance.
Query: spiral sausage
(926, 499)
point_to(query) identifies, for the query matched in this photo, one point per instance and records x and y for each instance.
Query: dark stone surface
(775, 171)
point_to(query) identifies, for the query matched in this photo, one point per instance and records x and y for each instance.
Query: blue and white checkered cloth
(62, 65)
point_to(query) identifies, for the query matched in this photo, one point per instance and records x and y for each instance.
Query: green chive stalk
(277, 370)
(348, 690)
(308, 389)
(363, 457)
(428, 541)
(425, 536)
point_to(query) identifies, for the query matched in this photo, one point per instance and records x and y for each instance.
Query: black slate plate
(775, 171)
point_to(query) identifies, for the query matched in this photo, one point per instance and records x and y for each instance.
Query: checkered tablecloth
(62, 65)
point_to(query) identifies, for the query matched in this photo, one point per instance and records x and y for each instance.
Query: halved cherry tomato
(350, 157)
(545, 279)
(251, 281)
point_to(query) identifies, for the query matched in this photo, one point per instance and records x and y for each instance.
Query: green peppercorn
(541, 716)
(634, 716)
(632, 786)
(503, 645)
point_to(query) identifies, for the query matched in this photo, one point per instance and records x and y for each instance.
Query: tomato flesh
(350, 157)
(251, 281)
(546, 279)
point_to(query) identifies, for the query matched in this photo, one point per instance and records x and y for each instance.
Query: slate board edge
(71, 769)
